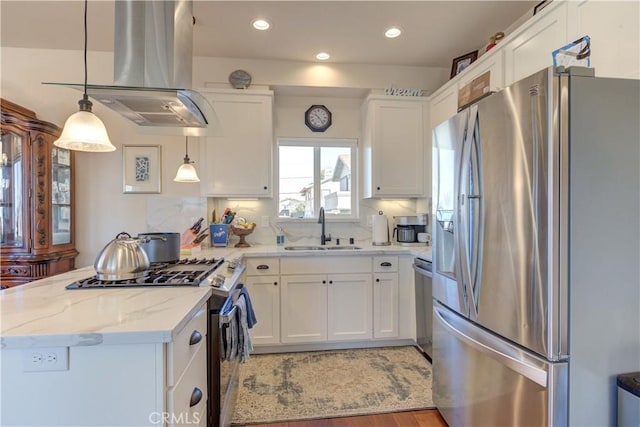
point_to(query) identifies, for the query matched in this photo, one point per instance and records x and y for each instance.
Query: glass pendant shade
(186, 173)
(84, 131)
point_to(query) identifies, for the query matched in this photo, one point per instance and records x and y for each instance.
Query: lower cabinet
(132, 384)
(385, 305)
(263, 282)
(304, 308)
(349, 307)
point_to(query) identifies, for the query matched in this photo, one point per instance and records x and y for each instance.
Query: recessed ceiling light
(261, 24)
(323, 56)
(393, 32)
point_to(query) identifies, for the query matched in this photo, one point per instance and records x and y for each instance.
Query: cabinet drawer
(188, 341)
(326, 265)
(261, 266)
(385, 263)
(192, 386)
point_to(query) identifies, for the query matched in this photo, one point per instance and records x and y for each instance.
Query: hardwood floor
(425, 418)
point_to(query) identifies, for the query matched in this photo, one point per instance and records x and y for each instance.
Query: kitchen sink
(321, 248)
(304, 248)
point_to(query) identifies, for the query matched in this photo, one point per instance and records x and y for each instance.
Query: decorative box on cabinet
(237, 161)
(394, 146)
(37, 204)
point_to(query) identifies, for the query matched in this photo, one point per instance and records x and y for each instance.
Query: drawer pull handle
(196, 397)
(196, 337)
(262, 267)
(385, 264)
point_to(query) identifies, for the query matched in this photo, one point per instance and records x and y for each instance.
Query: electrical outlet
(369, 220)
(265, 222)
(45, 359)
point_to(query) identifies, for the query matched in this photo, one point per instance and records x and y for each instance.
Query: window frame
(317, 144)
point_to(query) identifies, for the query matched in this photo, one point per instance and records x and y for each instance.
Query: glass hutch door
(61, 197)
(11, 203)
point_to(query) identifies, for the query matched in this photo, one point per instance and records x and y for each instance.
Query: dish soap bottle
(280, 237)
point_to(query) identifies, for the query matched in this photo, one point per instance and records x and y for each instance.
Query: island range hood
(153, 55)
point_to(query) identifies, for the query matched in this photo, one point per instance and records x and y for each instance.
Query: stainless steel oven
(424, 305)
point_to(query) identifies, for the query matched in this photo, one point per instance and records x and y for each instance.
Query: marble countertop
(45, 314)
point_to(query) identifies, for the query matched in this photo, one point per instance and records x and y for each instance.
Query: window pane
(335, 180)
(296, 182)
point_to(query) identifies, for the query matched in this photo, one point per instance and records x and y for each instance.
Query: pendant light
(186, 171)
(84, 131)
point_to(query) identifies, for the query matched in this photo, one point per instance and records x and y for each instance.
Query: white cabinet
(614, 29)
(304, 308)
(444, 105)
(385, 297)
(394, 146)
(263, 282)
(494, 63)
(236, 161)
(139, 383)
(530, 49)
(349, 306)
(326, 298)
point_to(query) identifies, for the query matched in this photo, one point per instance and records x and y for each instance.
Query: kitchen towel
(244, 338)
(251, 315)
(380, 230)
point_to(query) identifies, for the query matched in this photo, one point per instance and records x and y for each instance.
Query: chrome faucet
(323, 238)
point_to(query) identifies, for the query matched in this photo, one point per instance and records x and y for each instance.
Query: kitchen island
(111, 356)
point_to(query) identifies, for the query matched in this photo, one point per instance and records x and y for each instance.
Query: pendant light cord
(84, 103)
(85, 46)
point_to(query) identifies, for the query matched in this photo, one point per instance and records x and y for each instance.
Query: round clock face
(240, 79)
(318, 118)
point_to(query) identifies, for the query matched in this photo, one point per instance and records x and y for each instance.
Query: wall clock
(317, 118)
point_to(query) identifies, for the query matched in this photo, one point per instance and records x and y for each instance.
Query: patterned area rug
(336, 383)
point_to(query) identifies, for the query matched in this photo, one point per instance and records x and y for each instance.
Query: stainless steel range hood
(153, 55)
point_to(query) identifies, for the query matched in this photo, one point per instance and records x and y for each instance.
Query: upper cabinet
(394, 155)
(36, 199)
(613, 27)
(237, 160)
(531, 47)
(614, 31)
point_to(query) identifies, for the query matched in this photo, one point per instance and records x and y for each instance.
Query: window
(316, 173)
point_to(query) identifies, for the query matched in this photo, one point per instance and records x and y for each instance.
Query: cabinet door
(304, 308)
(385, 305)
(350, 297)
(265, 298)
(238, 161)
(614, 29)
(492, 62)
(396, 148)
(530, 50)
(443, 105)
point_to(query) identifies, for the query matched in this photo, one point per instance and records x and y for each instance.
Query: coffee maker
(407, 228)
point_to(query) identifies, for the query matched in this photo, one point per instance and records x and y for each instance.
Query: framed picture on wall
(462, 62)
(141, 168)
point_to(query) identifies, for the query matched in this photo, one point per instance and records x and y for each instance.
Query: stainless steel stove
(186, 272)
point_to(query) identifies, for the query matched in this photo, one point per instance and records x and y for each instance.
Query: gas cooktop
(186, 272)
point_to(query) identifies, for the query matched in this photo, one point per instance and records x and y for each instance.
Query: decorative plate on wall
(240, 79)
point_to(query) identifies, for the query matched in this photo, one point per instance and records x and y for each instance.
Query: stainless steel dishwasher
(424, 305)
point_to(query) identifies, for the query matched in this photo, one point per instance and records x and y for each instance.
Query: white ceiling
(352, 31)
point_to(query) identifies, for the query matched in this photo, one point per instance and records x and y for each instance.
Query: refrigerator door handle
(460, 258)
(486, 343)
(463, 219)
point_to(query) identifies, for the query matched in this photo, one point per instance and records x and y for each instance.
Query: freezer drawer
(481, 380)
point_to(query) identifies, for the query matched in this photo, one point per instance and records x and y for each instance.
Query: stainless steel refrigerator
(536, 278)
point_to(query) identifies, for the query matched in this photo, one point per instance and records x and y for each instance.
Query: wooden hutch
(36, 199)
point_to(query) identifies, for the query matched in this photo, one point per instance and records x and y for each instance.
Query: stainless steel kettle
(122, 259)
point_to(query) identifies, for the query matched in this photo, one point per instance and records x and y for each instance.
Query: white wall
(102, 210)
